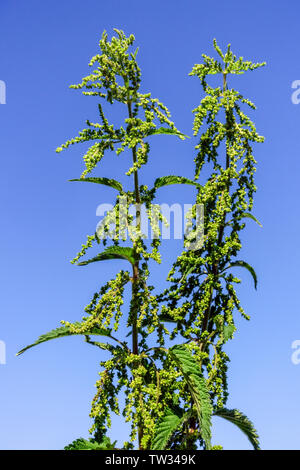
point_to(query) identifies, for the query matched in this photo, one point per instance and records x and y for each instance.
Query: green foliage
(197, 387)
(202, 296)
(243, 264)
(105, 181)
(170, 422)
(167, 180)
(64, 331)
(83, 444)
(242, 422)
(113, 252)
(251, 216)
(170, 394)
(166, 131)
(228, 332)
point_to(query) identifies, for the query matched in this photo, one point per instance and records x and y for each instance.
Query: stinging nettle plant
(171, 367)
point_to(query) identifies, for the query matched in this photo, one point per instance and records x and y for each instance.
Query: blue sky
(46, 46)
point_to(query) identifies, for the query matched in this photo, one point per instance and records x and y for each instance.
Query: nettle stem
(215, 267)
(135, 269)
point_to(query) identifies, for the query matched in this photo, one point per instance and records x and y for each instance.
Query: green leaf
(243, 264)
(197, 386)
(170, 422)
(188, 271)
(225, 331)
(83, 444)
(242, 422)
(228, 331)
(171, 179)
(65, 331)
(165, 130)
(104, 346)
(251, 216)
(106, 181)
(113, 252)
